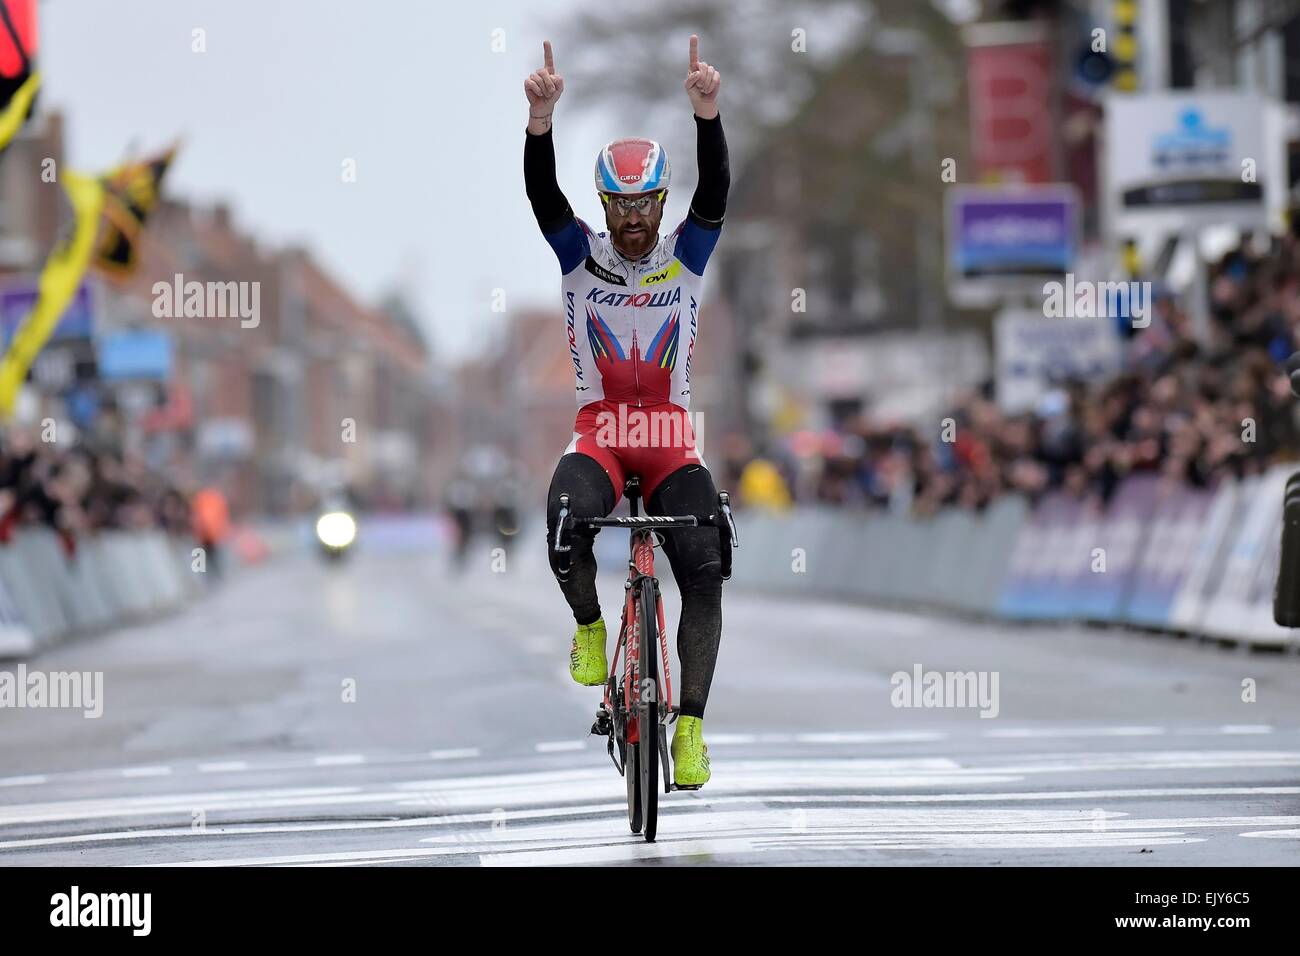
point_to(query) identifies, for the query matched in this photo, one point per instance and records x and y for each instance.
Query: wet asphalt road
(388, 712)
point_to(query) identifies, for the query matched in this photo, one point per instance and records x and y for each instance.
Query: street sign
(18, 297)
(142, 354)
(1009, 240)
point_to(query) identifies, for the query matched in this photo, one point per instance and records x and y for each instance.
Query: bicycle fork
(616, 708)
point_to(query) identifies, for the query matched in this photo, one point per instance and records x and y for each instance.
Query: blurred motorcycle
(336, 531)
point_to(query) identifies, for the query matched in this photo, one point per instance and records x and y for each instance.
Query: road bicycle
(636, 709)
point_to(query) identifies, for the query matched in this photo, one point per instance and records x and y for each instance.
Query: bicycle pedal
(687, 786)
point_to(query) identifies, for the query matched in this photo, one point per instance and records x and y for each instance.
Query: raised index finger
(695, 53)
(549, 56)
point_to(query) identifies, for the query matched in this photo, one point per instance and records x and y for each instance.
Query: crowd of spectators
(1193, 409)
(78, 490)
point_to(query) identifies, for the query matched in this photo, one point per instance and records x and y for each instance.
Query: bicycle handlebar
(643, 521)
(721, 519)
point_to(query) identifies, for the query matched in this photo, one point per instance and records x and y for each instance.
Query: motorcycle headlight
(337, 529)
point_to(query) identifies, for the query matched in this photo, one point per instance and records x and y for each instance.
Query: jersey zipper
(636, 362)
(636, 348)
(634, 273)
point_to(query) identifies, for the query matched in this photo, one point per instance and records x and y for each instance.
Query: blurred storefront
(295, 387)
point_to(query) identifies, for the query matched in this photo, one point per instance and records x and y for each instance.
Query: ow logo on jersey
(664, 275)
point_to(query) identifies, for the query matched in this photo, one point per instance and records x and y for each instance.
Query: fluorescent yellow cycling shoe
(587, 662)
(690, 753)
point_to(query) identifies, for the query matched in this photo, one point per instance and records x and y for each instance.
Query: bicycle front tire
(648, 708)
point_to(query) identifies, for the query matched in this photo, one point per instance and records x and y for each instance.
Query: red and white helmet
(632, 166)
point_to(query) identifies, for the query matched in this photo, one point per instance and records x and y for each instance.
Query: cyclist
(631, 302)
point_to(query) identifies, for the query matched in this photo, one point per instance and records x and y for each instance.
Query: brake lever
(561, 525)
(724, 505)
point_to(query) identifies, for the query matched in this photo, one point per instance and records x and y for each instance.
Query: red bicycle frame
(641, 565)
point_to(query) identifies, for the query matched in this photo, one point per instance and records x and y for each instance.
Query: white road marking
(338, 760)
(881, 737)
(570, 856)
(729, 739)
(597, 784)
(306, 859)
(1027, 732)
(1147, 760)
(860, 822)
(365, 861)
(768, 829)
(183, 804)
(594, 782)
(559, 746)
(688, 807)
(28, 781)
(893, 802)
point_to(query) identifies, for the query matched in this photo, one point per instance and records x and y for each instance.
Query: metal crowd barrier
(112, 578)
(1163, 556)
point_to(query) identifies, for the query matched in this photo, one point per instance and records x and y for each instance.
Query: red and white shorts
(651, 441)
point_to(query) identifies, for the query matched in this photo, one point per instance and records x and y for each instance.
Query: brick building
(309, 390)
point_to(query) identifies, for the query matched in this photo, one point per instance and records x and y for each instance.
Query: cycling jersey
(631, 326)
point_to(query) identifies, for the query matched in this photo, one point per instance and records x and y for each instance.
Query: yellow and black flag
(19, 79)
(131, 192)
(108, 214)
(58, 284)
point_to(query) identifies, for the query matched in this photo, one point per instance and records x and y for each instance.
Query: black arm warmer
(549, 205)
(709, 204)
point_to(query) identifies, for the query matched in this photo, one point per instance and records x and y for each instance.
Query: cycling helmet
(632, 166)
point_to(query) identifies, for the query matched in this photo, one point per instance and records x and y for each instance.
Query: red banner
(1012, 128)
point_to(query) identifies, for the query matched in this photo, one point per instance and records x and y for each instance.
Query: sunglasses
(643, 205)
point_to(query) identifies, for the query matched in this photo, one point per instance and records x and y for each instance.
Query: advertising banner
(1029, 590)
(1169, 556)
(1034, 354)
(1010, 74)
(1242, 604)
(1210, 554)
(1008, 240)
(18, 298)
(1178, 161)
(1112, 547)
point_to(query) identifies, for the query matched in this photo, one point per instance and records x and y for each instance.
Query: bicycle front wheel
(647, 708)
(632, 775)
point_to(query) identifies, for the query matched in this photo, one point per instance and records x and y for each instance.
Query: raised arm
(543, 88)
(554, 214)
(709, 204)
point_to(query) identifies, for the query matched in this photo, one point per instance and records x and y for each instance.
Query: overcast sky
(288, 89)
